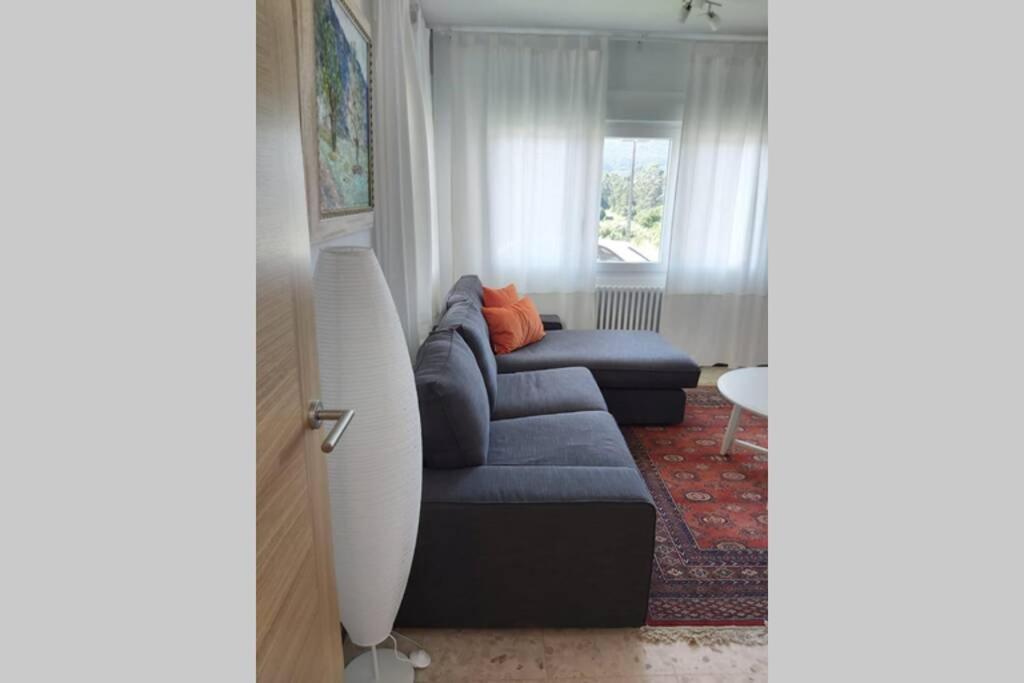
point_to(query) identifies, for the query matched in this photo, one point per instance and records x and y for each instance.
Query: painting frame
(354, 19)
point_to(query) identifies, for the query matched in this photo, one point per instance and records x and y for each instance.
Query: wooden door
(298, 635)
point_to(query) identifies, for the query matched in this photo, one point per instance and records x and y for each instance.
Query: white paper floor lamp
(375, 472)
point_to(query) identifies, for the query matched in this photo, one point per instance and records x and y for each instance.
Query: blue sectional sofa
(533, 512)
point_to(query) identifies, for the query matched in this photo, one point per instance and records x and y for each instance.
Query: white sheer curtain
(716, 303)
(519, 131)
(405, 229)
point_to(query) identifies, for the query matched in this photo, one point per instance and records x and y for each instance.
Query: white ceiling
(739, 17)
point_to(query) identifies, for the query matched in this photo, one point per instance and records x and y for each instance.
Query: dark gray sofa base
(515, 565)
(646, 406)
(495, 549)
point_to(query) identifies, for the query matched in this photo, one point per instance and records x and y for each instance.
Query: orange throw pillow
(506, 296)
(513, 327)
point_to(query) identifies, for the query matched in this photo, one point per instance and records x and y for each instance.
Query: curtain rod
(625, 36)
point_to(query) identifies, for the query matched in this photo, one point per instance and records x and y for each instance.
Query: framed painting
(344, 129)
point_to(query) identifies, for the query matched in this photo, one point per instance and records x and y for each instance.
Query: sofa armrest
(531, 546)
(536, 485)
(551, 321)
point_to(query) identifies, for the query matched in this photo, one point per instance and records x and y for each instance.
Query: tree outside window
(632, 199)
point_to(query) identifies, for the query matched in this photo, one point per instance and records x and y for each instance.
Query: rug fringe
(706, 636)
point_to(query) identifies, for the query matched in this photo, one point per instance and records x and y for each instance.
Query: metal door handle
(317, 414)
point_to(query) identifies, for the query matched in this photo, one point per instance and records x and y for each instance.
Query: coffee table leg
(730, 431)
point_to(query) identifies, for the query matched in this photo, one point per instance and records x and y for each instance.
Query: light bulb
(684, 12)
(714, 21)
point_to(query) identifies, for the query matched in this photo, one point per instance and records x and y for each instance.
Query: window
(634, 181)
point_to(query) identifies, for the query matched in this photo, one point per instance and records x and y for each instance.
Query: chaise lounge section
(641, 375)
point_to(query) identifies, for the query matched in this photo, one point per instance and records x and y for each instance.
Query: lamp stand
(370, 667)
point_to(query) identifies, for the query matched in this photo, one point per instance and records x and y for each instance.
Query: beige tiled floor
(709, 376)
(580, 655)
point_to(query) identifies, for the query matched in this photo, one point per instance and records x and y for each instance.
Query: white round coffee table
(747, 388)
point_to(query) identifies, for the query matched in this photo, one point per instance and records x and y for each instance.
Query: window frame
(648, 130)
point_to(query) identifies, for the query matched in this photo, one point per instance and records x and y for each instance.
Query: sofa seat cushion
(624, 359)
(454, 416)
(546, 392)
(585, 439)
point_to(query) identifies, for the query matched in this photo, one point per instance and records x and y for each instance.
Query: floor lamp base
(391, 669)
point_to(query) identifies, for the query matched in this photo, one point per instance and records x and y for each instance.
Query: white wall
(368, 8)
(646, 80)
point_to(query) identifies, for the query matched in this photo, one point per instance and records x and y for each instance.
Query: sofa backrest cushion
(455, 417)
(466, 288)
(470, 323)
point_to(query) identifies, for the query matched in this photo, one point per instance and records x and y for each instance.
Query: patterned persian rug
(711, 539)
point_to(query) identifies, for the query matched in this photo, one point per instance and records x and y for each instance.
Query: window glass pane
(632, 199)
(649, 196)
(616, 179)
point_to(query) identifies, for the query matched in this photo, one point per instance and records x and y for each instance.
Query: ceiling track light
(684, 11)
(713, 18)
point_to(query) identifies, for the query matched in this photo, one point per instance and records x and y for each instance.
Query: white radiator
(629, 308)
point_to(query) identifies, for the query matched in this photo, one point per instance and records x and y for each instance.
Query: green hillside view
(642, 163)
